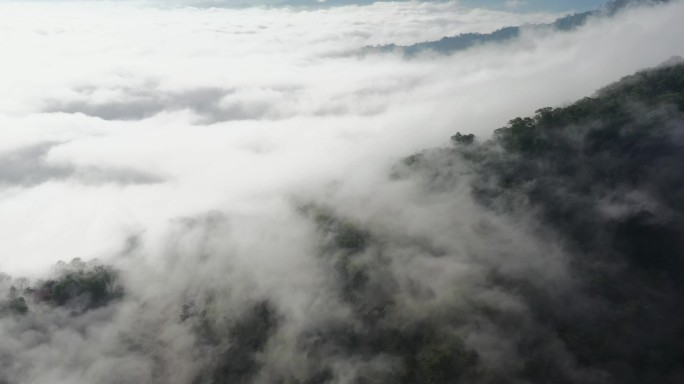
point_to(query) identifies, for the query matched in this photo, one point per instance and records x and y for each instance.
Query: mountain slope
(567, 269)
(468, 40)
(603, 175)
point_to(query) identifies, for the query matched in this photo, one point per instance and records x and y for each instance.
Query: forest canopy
(602, 177)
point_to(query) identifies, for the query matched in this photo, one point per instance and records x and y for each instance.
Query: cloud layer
(181, 145)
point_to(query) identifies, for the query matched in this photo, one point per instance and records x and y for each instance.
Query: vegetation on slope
(78, 286)
(605, 174)
(450, 44)
(601, 176)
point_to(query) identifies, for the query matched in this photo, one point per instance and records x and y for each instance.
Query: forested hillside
(601, 179)
(450, 44)
(604, 175)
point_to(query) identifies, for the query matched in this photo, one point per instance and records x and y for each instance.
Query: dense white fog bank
(212, 155)
(118, 118)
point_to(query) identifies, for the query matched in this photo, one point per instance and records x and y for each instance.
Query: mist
(237, 171)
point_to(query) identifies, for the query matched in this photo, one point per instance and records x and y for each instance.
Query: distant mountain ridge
(468, 40)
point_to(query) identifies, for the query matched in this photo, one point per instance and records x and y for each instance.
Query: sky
(517, 5)
(537, 5)
(511, 5)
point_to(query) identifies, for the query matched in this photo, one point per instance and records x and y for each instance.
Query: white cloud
(240, 112)
(122, 87)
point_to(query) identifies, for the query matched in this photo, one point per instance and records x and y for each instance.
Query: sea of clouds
(117, 118)
(178, 144)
